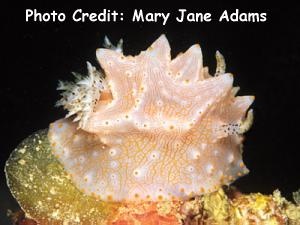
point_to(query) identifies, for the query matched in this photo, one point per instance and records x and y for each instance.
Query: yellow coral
(217, 205)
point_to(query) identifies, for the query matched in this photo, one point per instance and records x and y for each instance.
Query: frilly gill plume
(81, 96)
(153, 128)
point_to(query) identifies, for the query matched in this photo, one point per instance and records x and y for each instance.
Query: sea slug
(150, 127)
(147, 140)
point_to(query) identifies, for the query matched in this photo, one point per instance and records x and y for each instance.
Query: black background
(264, 58)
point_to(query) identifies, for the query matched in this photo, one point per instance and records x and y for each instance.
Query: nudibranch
(151, 128)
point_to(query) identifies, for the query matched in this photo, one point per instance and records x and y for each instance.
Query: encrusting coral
(149, 141)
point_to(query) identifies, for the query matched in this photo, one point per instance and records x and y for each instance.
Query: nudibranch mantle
(153, 128)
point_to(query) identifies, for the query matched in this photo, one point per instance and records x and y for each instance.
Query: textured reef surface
(149, 140)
